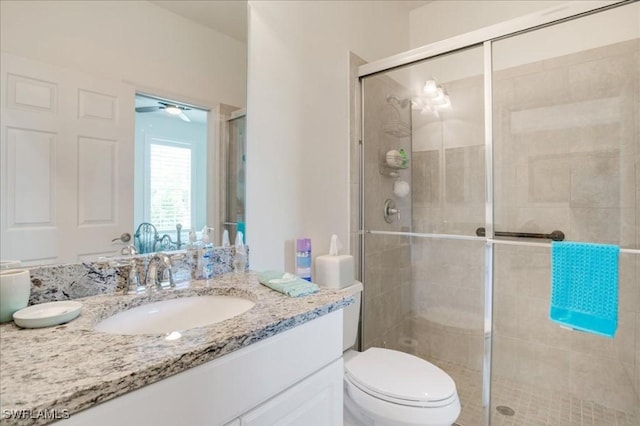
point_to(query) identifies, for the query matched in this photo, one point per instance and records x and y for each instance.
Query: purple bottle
(303, 258)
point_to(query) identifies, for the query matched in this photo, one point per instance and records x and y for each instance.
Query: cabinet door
(316, 401)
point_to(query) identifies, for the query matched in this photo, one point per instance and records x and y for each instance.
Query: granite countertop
(65, 369)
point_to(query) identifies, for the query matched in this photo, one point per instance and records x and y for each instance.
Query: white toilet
(383, 387)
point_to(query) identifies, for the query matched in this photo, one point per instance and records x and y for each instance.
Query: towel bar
(554, 235)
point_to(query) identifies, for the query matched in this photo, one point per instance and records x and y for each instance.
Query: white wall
(440, 20)
(131, 41)
(297, 116)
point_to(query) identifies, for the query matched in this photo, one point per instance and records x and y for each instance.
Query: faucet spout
(158, 265)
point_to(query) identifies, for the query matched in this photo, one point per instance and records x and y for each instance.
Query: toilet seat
(400, 378)
(364, 409)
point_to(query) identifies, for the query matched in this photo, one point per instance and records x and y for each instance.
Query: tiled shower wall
(387, 279)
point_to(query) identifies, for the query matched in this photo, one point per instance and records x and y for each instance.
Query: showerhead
(402, 103)
(395, 125)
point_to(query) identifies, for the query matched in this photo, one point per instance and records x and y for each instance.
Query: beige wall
(298, 116)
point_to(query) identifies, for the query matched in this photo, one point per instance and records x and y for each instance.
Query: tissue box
(334, 271)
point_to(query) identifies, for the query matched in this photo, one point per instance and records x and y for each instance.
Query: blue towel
(287, 283)
(584, 286)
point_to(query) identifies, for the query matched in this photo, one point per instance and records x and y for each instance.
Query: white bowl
(47, 314)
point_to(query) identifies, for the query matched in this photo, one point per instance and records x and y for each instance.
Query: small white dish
(47, 314)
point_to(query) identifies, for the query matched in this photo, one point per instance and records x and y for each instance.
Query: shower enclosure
(526, 127)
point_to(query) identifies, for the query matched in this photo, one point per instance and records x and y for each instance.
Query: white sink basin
(175, 314)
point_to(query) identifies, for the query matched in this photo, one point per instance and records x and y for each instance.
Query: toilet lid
(401, 378)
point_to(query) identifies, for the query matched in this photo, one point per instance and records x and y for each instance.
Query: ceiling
(230, 16)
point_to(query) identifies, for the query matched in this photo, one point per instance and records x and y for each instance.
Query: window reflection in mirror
(170, 171)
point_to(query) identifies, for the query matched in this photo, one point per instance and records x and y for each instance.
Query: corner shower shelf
(392, 161)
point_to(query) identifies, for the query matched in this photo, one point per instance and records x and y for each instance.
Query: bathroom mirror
(70, 75)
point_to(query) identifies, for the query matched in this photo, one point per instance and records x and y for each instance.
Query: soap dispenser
(240, 256)
(225, 239)
(206, 253)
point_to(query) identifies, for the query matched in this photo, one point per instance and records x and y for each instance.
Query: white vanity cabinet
(292, 378)
(316, 401)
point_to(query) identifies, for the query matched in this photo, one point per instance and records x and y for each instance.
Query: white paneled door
(67, 162)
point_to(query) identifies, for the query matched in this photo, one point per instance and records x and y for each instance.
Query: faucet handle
(128, 276)
(166, 259)
(150, 273)
(135, 283)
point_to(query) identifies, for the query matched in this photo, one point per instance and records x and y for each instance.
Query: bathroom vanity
(279, 362)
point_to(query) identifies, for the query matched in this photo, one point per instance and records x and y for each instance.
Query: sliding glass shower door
(424, 199)
(566, 123)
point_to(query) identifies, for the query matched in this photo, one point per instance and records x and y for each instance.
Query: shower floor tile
(531, 407)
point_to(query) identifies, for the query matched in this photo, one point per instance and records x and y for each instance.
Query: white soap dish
(47, 314)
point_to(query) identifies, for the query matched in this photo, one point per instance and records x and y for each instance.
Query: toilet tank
(351, 317)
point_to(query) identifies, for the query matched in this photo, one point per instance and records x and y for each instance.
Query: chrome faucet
(158, 264)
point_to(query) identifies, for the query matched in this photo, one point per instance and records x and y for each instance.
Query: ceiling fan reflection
(172, 109)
